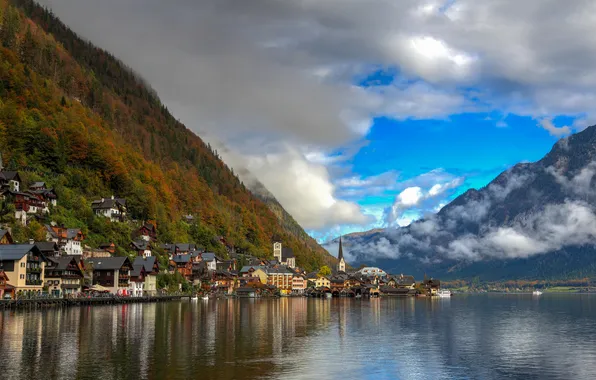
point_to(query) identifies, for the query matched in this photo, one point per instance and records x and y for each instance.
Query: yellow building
(322, 281)
(5, 237)
(255, 271)
(24, 264)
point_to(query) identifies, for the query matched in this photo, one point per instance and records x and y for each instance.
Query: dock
(36, 303)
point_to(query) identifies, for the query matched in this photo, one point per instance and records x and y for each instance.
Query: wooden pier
(36, 303)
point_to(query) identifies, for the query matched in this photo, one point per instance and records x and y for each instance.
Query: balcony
(123, 277)
(34, 270)
(33, 282)
(33, 258)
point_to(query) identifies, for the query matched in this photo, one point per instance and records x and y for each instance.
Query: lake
(490, 336)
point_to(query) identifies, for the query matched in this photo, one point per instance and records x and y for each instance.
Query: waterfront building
(112, 273)
(183, 265)
(322, 282)
(298, 284)
(257, 271)
(63, 276)
(151, 268)
(281, 278)
(24, 265)
(137, 280)
(5, 287)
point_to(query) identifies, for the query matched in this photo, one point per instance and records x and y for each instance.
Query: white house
(112, 208)
(68, 239)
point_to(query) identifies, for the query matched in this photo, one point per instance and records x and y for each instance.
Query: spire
(340, 255)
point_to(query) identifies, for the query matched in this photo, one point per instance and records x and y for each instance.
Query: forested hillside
(75, 117)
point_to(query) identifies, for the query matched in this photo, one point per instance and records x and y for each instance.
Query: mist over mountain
(535, 220)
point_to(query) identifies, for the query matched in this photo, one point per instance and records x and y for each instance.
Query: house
(112, 273)
(298, 284)
(63, 276)
(151, 266)
(402, 282)
(281, 278)
(181, 248)
(283, 255)
(246, 292)
(137, 280)
(5, 288)
(147, 232)
(68, 239)
(142, 248)
(257, 271)
(322, 282)
(337, 283)
(108, 247)
(112, 208)
(228, 265)
(47, 196)
(48, 248)
(211, 259)
(431, 286)
(183, 265)
(10, 180)
(224, 281)
(24, 265)
(5, 237)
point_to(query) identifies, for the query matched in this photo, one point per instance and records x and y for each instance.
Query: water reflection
(488, 336)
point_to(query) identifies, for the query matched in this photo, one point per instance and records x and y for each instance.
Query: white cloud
(553, 130)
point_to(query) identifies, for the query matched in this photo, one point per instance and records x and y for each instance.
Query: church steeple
(341, 265)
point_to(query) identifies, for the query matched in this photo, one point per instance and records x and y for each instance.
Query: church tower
(277, 249)
(341, 266)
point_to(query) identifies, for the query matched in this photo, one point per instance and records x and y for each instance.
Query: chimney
(31, 241)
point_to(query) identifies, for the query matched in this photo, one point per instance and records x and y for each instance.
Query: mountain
(533, 221)
(77, 118)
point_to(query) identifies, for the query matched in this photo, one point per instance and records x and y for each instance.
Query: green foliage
(324, 271)
(88, 126)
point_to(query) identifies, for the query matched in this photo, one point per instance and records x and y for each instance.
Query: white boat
(536, 292)
(328, 295)
(444, 293)
(205, 298)
(194, 298)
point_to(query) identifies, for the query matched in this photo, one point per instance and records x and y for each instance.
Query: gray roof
(10, 252)
(46, 246)
(38, 184)
(108, 203)
(287, 253)
(404, 280)
(2, 233)
(108, 263)
(181, 258)
(60, 263)
(278, 270)
(147, 263)
(136, 270)
(10, 176)
(246, 268)
(141, 245)
(210, 256)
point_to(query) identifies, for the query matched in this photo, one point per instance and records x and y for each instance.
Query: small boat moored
(536, 292)
(444, 293)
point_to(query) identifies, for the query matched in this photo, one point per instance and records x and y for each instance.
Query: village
(63, 266)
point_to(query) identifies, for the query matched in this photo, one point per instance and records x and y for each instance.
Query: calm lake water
(466, 337)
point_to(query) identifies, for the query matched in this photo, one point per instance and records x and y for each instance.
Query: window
(22, 265)
(22, 277)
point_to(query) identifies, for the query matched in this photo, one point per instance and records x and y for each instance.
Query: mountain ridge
(533, 221)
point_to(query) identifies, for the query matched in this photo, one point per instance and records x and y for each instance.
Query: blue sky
(360, 114)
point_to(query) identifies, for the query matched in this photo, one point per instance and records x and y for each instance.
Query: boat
(444, 293)
(205, 298)
(328, 295)
(194, 297)
(358, 296)
(536, 292)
